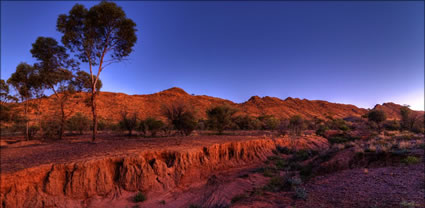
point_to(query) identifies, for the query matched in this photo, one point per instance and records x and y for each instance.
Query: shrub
(419, 125)
(247, 122)
(50, 128)
(202, 124)
(278, 183)
(377, 116)
(407, 204)
(302, 155)
(337, 140)
(405, 122)
(301, 193)
(238, 197)
(294, 181)
(283, 150)
(269, 122)
(321, 130)
(341, 138)
(269, 172)
(104, 124)
(128, 122)
(283, 126)
(306, 171)
(391, 125)
(296, 124)
(411, 160)
(181, 116)
(281, 163)
(32, 131)
(139, 197)
(78, 122)
(152, 125)
(6, 113)
(220, 117)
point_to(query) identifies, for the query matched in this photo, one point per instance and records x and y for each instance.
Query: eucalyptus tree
(99, 36)
(5, 96)
(26, 82)
(55, 69)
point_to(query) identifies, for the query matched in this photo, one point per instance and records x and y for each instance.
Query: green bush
(301, 193)
(32, 131)
(247, 122)
(128, 122)
(408, 204)
(277, 184)
(281, 164)
(269, 172)
(152, 125)
(322, 130)
(296, 124)
(269, 122)
(50, 128)
(238, 197)
(302, 155)
(181, 116)
(393, 125)
(341, 138)
(283, 150)
(283, 127)
(139, 197)
(338, 124)
(220, 117)
(411, 160)
(377, 116)
(306, 171)
(78, 122)
(105, 124)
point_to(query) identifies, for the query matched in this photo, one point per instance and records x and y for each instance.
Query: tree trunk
(26, 121)
(93, 109)
(62, 128)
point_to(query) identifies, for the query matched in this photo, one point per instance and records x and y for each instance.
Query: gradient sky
(355, 52)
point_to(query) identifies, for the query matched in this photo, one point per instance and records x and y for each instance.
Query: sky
(357, 52)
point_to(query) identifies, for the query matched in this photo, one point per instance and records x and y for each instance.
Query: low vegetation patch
(238, 197)
(277, 184)
(139, 197)
(408, 204)
(411, 160)
(301, 193)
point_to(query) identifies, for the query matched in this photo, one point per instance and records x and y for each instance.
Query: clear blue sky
(347, 52)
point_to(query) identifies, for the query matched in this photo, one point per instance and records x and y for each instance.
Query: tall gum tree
(55, 69)
(99, 36)
(26, 82)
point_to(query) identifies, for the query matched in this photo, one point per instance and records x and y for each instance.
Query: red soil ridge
(111, 104)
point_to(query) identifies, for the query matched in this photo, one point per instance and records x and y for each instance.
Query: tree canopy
(99, 36)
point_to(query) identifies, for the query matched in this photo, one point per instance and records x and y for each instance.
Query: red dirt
(354, 188)
(75, 148)
(77, 173)
(379, 187)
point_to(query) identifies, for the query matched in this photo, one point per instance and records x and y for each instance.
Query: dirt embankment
(74, 183)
